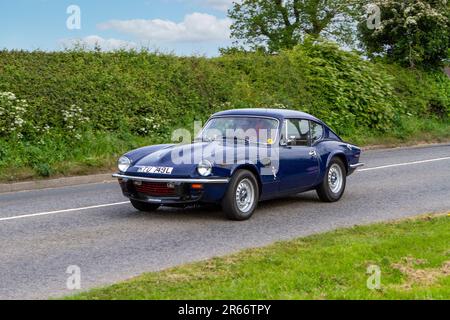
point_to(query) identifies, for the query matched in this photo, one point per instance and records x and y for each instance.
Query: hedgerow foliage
(148, 94)
(411, 32)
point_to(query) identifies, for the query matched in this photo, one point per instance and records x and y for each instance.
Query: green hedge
(130, 90)
(63, 95)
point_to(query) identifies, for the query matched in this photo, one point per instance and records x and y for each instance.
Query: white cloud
(221, 5)
(90, 42)
(196, 27)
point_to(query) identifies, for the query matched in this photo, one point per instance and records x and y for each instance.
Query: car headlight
(204, 168)
(123, 164)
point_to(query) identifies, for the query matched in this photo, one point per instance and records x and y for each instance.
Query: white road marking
(403, 164)
(127, 202)
(62, 211)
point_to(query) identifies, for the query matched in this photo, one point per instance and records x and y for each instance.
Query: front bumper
(354, 167)
(181, 190)
(174, 180)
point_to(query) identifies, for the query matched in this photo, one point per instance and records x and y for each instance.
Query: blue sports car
(239, 158)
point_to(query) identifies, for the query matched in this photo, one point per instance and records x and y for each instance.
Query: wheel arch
(341, 156)
(253, 169)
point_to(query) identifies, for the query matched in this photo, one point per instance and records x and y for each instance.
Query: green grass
(412, 130)
(326, 266)
(53, 157)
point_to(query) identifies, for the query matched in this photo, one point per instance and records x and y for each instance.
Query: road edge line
(32, 215)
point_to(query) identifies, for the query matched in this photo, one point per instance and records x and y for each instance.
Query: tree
(411, 32)
(278, 24)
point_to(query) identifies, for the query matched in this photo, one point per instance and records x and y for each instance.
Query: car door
(299, 162)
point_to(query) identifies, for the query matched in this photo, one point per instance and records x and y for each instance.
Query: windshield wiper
(223, 138)
(246, 140)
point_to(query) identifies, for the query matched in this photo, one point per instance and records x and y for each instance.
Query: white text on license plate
(155, 170)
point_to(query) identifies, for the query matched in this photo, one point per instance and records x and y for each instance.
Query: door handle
(313, 153)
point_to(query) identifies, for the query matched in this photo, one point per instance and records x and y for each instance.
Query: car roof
(267, 112)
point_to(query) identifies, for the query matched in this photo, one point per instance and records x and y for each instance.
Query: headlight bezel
(123, 164)
(204, 168)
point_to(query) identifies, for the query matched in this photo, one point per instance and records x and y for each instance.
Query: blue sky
(181, 26)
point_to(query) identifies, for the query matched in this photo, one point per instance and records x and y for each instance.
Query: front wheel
(333, 185)
(242, 196)
(144, 206)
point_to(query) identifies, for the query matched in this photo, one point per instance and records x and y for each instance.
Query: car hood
(182, 158)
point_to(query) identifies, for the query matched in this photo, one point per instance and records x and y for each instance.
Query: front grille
(155, 189)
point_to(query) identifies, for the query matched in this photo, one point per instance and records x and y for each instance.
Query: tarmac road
(44, 232)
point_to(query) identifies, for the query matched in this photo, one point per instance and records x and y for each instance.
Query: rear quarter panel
(328, 149)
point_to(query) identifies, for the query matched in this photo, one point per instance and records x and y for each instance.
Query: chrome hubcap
(335, 178)
(245, 195)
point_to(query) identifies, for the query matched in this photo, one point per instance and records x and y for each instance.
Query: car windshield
(251, 129)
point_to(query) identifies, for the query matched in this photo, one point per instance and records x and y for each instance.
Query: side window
(316, 131)
(296, 132)
(333, 136)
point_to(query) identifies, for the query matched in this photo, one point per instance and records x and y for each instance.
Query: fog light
(197, 186)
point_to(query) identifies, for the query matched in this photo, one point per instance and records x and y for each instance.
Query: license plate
(156, 170)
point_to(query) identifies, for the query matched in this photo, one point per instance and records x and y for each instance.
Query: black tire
(144, 206)
(325, 189)
(230, 205)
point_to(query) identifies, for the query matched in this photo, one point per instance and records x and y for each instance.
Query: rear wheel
(144, 206)
(242, 196)
(333, 185)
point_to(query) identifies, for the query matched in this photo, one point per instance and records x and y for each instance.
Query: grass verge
(413, 256)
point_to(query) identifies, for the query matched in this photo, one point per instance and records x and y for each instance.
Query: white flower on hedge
(8, 95)
(410, 14)
(410, 21)
(19, 122)
(13, 113)
(73, 117)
